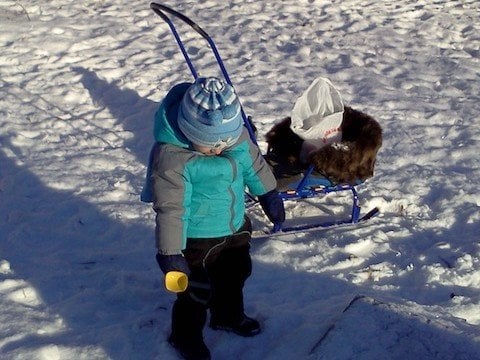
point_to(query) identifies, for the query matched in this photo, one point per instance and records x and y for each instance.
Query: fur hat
(209, 114)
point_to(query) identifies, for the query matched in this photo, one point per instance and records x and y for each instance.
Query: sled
(308, 185)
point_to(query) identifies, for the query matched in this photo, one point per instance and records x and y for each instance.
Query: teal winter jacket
(195, 195)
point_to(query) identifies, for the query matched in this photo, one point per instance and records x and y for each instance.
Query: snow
(79, 84)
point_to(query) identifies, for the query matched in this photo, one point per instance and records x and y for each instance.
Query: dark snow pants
(219, 268)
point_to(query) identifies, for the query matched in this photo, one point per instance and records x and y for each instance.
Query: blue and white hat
(209, 114)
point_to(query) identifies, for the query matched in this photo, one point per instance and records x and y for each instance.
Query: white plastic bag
(318, 113)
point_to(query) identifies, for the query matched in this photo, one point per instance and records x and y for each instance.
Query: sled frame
(301, 191)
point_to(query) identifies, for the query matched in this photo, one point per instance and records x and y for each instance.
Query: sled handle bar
(160, 10)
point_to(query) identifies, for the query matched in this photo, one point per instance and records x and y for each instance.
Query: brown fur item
(348, 161)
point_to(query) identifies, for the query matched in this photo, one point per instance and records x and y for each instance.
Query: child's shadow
(80, 278)
(133, 111)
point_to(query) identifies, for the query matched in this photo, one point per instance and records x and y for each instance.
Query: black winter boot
(246, 326)
(190, 349)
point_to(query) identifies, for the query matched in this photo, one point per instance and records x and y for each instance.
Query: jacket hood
(166, 128)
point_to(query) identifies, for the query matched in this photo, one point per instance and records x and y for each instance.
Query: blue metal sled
(309, 185)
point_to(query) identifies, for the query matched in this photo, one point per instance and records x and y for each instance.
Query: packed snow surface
(79, 84)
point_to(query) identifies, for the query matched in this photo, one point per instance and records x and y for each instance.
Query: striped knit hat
(209, 114)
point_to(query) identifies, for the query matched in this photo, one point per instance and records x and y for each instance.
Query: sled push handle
(160, 10)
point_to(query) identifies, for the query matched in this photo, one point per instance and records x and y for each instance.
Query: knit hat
(209, 114)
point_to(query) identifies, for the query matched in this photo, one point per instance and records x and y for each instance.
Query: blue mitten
(169, 263)
(272, 205)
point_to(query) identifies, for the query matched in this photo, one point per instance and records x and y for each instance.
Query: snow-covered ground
(79, 83)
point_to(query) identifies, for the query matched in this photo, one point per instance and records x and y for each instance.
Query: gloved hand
(272, 205)
(172, 263)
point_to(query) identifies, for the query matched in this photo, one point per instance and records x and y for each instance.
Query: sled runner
(307, 185)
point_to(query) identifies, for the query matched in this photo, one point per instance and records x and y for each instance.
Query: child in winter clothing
(202, 161)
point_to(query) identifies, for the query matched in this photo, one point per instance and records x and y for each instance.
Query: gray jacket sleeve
(171, 203)
(258, 177)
